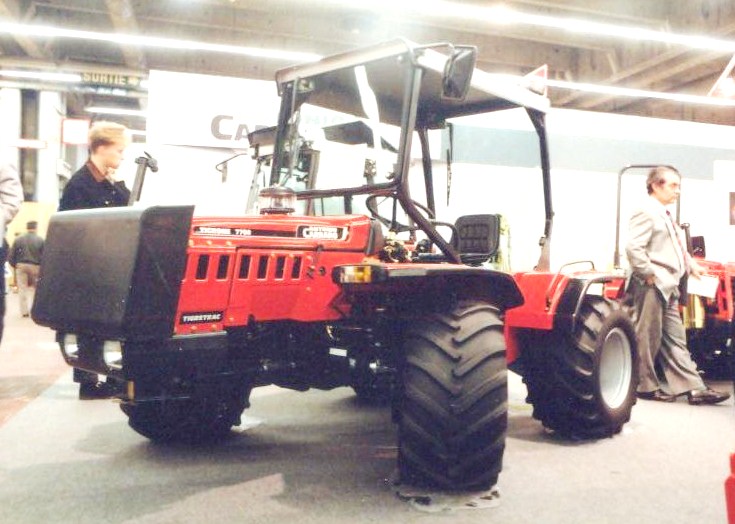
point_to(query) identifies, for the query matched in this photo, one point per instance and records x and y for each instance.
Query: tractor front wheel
(204, 418)
(583, 385)
(453, 410)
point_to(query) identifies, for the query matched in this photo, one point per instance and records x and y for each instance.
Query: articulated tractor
(347, 275)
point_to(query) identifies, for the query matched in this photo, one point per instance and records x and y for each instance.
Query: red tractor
(347, 277)
(710, 323)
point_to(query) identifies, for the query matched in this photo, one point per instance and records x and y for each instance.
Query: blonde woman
(94, 185)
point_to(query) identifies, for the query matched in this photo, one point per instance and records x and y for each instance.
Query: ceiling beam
(647, 13)
(645, 73)
(12, 10)
(11, 62)
(654, 74)
(123, 21)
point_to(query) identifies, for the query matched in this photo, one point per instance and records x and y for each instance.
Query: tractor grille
(247, 266)
(265, 267)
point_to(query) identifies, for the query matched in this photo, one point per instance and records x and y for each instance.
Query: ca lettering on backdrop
(207, 111)
(194, 123)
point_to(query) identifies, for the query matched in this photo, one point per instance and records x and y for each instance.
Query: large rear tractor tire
(202, 419)
(583, 385)
(453, 414)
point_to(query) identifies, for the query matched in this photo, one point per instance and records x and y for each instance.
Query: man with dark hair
(25, 257)
(658, 261)
(95, 185)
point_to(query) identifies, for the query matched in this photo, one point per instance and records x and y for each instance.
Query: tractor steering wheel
(372, 205)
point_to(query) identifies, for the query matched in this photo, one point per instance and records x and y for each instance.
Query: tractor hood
(335, 233)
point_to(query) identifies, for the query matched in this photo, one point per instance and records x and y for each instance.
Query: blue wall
(509, 147)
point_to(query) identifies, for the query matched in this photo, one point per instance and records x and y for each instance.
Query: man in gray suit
(658, 261)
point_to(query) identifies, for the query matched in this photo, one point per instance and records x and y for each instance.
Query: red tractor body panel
(540, 292)
(274, 268)
(266, 268)
(543, 294)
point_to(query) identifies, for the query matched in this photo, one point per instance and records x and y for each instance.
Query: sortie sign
(111, 79)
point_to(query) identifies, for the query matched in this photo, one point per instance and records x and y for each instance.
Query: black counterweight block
(113, 273)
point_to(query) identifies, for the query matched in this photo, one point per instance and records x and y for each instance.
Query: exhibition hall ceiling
(644, 45)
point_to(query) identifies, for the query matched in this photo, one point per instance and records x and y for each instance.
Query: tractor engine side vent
(263, 267)
(277, 267)
(244, 267)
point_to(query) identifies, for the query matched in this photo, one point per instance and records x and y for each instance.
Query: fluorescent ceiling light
(640, 93)
(501, 14)
(533, 82)
(498, 14)
(138, 132)
(505, 15)
(115, 111)
(725, 87)
(41, 75)
(152, 41)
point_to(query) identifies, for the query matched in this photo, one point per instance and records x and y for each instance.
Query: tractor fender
(495, 287)
(569, 304)
(436, 281)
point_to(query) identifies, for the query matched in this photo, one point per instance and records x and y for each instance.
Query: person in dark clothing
(25, 258)
(94, 185)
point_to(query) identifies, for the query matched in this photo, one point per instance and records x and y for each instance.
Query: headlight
(360, 274)
(69, 345)
(112, 353)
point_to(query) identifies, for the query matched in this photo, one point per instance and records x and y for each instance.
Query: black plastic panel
(114, 272)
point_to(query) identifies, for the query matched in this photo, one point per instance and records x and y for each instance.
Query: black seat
(478, 237)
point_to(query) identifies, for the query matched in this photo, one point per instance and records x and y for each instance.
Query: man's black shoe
(658, 395)
(95, 390)
(706, 396)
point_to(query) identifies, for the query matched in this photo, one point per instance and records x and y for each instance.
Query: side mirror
(458, 73)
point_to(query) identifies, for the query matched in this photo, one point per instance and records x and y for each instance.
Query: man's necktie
(678, 241)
